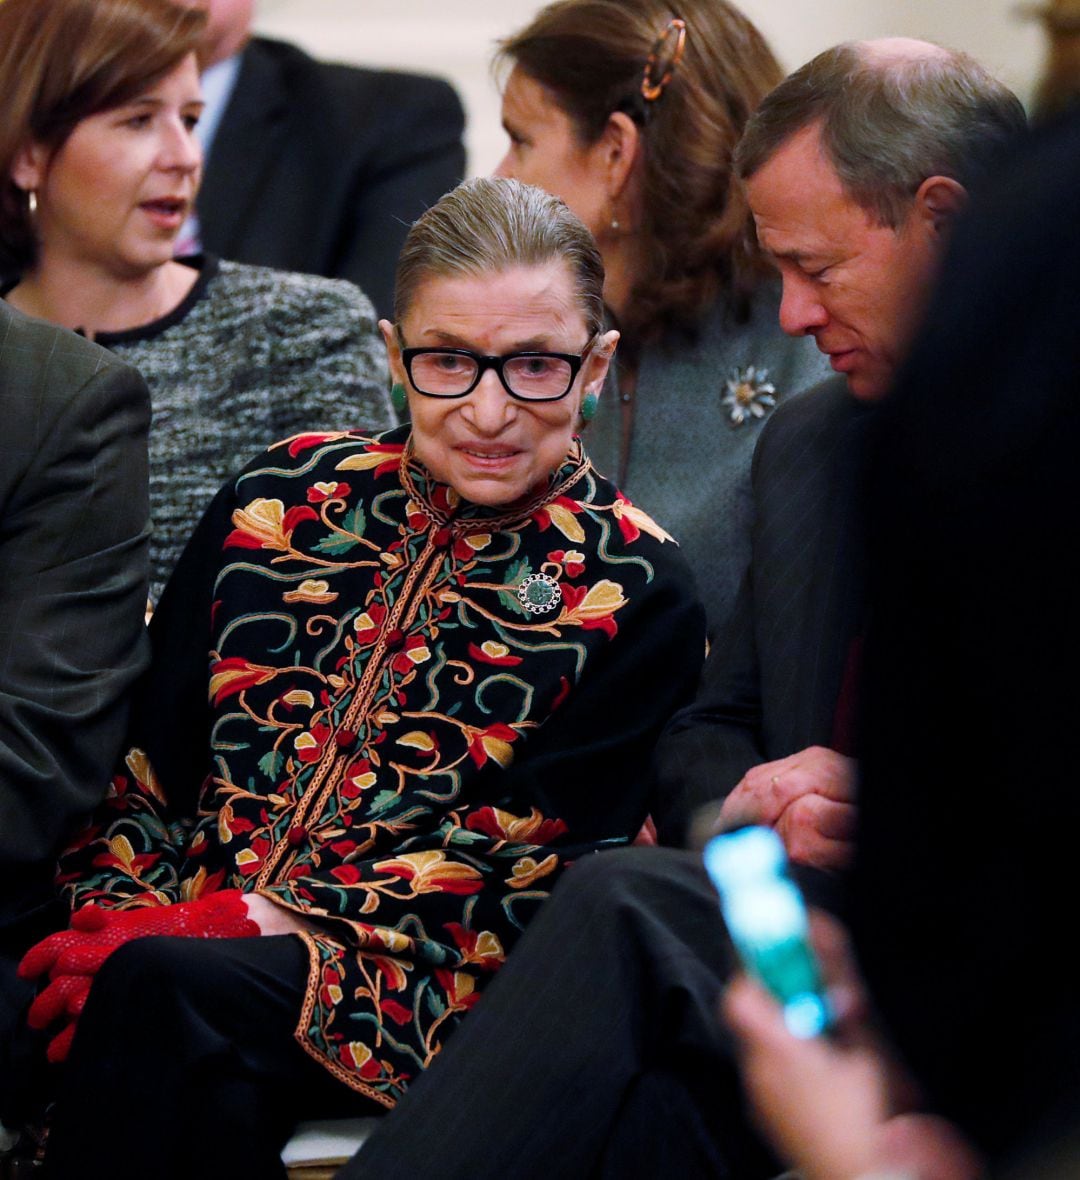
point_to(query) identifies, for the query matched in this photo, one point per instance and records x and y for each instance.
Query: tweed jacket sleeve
(73, 565)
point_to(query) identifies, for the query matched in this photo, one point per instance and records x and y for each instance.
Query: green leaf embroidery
(515, 575)
(383, 801)
(270, 763)
(353, 527)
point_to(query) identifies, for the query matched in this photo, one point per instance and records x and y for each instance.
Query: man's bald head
(228, 27)
(890, 113)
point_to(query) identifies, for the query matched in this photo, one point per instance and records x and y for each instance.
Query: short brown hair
(490, 224)
(62, 60)
(887, 124)
(697, 231)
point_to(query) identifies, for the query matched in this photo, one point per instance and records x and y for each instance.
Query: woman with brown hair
(630, 111)
(98, 170)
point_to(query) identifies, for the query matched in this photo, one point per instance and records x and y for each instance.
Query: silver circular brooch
(748, 393)
(539, 593)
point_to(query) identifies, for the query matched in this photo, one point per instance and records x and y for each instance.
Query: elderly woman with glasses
(399, 683)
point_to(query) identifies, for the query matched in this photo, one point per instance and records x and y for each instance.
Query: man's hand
(808, 798)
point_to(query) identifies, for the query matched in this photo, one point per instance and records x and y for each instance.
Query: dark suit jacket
(321, 168)
(773, 678)
(965, 884)
(73, 570)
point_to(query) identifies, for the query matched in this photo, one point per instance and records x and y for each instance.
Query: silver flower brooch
(748, 394)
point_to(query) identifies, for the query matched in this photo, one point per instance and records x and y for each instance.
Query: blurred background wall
(455, 38)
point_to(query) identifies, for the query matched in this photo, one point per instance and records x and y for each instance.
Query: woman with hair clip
(630, 111)
(98, 170)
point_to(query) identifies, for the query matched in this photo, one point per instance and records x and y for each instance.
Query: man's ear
(939, 201)
(617, 151)
(29, 166)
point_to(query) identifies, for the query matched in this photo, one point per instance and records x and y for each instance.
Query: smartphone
(766, 918)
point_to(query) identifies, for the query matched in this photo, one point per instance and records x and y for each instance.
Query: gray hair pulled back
(888, 125)
(490, 224)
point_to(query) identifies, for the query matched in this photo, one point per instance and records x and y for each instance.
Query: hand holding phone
(766, 918)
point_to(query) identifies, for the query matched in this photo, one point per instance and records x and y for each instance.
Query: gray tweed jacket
(688, 459)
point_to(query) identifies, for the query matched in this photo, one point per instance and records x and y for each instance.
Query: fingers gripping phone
(766, 918)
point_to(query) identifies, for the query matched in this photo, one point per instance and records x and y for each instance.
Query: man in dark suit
(964, 894)
(318, 167)
(598, 1046)
(73, 574)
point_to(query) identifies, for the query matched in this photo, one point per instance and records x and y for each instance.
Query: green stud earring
(588, 407)
(397, 397)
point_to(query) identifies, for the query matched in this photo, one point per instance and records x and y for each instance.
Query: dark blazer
(73, 569)
(772, 682)
(965, 887)
(321, 168)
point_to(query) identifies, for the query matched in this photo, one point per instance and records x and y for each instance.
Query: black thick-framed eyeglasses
(526, 376)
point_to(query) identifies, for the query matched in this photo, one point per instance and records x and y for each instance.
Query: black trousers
(184, 1064)
(597, 1050)
(24, 1076)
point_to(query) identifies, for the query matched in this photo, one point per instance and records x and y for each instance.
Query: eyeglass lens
(537, 376)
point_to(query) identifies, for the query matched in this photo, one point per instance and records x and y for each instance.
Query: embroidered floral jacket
(414, 713)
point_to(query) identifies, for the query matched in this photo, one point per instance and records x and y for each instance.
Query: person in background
(630, 110)
(73, 562)
(398, 683)
(98, 169)
(599, 1046)
(312, 166)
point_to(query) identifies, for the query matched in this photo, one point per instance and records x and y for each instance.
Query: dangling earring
(615, 227)
(398, 398)
(31, 202)
(588, 406)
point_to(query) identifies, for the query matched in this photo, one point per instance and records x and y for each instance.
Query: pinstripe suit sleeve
(771, 681)
(73, 563)
(707, 747)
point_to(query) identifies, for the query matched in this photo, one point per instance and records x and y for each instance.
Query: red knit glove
(71, 958)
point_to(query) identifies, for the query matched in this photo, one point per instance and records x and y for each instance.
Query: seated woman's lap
(186, 1032)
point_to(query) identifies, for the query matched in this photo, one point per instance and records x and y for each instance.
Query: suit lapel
(246, 144)
(835, 589)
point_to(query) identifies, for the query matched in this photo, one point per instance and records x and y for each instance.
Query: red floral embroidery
(398, 1013)
(501, 825)
(317, 493)
(233, 675)
(494, 653)
(544, 516)
(572, 561)
(493, 742)
(305, 442)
